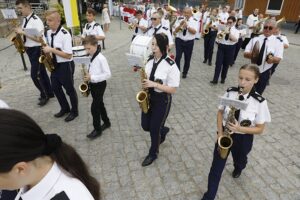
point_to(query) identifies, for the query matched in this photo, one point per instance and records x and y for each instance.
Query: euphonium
(84, 87)
(142, 97)
(18, 42)
(225, 141)
(46, 58)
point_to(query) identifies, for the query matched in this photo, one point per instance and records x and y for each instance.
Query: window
(274, 7)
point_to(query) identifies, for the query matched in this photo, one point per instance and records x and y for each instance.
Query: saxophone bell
(142, 97)
(84, 87)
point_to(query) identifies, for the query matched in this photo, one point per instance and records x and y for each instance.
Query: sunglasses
(154, 19)
(268, 27)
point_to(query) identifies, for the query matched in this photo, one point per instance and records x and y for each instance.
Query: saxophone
(84, 87)
(225, 141)
(18, 42)
(142, 97)
(46, 58)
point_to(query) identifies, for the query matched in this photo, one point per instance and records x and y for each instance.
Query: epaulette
(165, 28)
(282, 34)
(180, 17)
(195, 19)
(258, 97)
(235, 89)
(64, 31)
(150, 58)
(279, 39)
(170, 61)
(34, 17)
(96, 24)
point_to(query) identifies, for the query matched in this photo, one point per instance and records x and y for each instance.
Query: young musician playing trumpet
(98, 73)
(248, 122)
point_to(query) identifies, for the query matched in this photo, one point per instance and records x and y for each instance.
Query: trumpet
(131, 26)
(223, 33)
(84, 87)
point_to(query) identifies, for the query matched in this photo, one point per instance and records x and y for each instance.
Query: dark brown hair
(251, 67)
(22, 140)
(23, 2)
(91, 11)
(90, 39)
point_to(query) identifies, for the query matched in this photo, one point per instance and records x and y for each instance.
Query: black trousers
(245, 43)
(154, 120)
(38, 72)
(298, 26)
(209, 42)
(185, 47)
(242, 145)
(8, 195)
(97, 108)
(237, 48)
(225, 55)
(61, 77)
(263, 80)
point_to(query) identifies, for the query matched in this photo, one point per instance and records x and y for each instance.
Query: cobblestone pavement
(181, 171)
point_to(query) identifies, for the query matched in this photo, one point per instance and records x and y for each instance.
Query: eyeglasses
(154, 19)
(229, 22)
(268, 27)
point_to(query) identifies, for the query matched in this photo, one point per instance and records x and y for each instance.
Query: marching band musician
(157, 28)
(252, 20)
(226, 47)
(98, 73)
(210, 38)
(223, 15)
(185, 39)
(248, 122)
(141, 26)
(242, 32)
(39, 75)
(92, 28)
(198, 16)
(163, 79)
(270, 52)
(60, 42)
(164, 21)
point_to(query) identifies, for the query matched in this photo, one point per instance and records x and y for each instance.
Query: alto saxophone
(142, 97)
(46, 58)
(84, 87)
(225, 141)
(18, 42)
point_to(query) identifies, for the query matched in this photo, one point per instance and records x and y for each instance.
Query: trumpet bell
(172, 9)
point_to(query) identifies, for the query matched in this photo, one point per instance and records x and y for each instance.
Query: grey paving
(181, 171)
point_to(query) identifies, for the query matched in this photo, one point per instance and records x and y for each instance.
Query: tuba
(46, 58)
(142, 97)
(84, 87)
(225, 141)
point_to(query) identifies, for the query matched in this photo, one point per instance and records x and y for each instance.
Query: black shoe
(61, 113)
(214, 82)
(71, 116)
(105, 126)
(222, 81)
(164, 134)
(209, 63)
(148, 160)
(204, 61)
(43, 101)
(236, 173)
(183, 75)
(51, 95)
(94, 134)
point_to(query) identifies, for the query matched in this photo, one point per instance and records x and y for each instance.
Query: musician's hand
(47, 49)
(148, 84)
(19, 31)
(270, 59)
(220, 133)
(233, 127)
(87, 77)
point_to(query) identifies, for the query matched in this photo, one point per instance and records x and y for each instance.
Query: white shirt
(166, 71)
(223, 17)
(197, 15)
(92, 28)
(283, 38)
(3, 104)
(257, 112)
(55, 182)
(142, 23)
(161, 29)
(191, 23)
(99, 69)
(273, 45)
(214, 23)
(251, 21)
(62, 41)
(33, 22)
(165, 23)
(235, 33)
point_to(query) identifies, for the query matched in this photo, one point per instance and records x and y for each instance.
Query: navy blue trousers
(209, 42)
(224, 59)
(185, 47)
(263, 80)
(8, 195)
(237, 48)
(97, 108)
(154, 120)
(62, 76)
(38, 72)
(241, 147)
(274, 68)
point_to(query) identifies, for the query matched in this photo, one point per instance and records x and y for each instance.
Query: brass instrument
(142, 97)
(170, 16)
(46, 58)
(206, 28)
(225, 141)
(84, 87)
(280, 22)
(255, 53)
(18, 42)
(223, 33)
(257, 27)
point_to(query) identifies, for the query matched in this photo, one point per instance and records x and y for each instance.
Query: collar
(40, 190)
(57, 30)
(29, 16)
(158, 26)
(91, 24)
(95, 54)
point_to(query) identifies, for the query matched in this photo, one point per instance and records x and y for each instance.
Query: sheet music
(224, 101)
(32, 32)
(9, 13)
(82, 60)
(135, 60)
